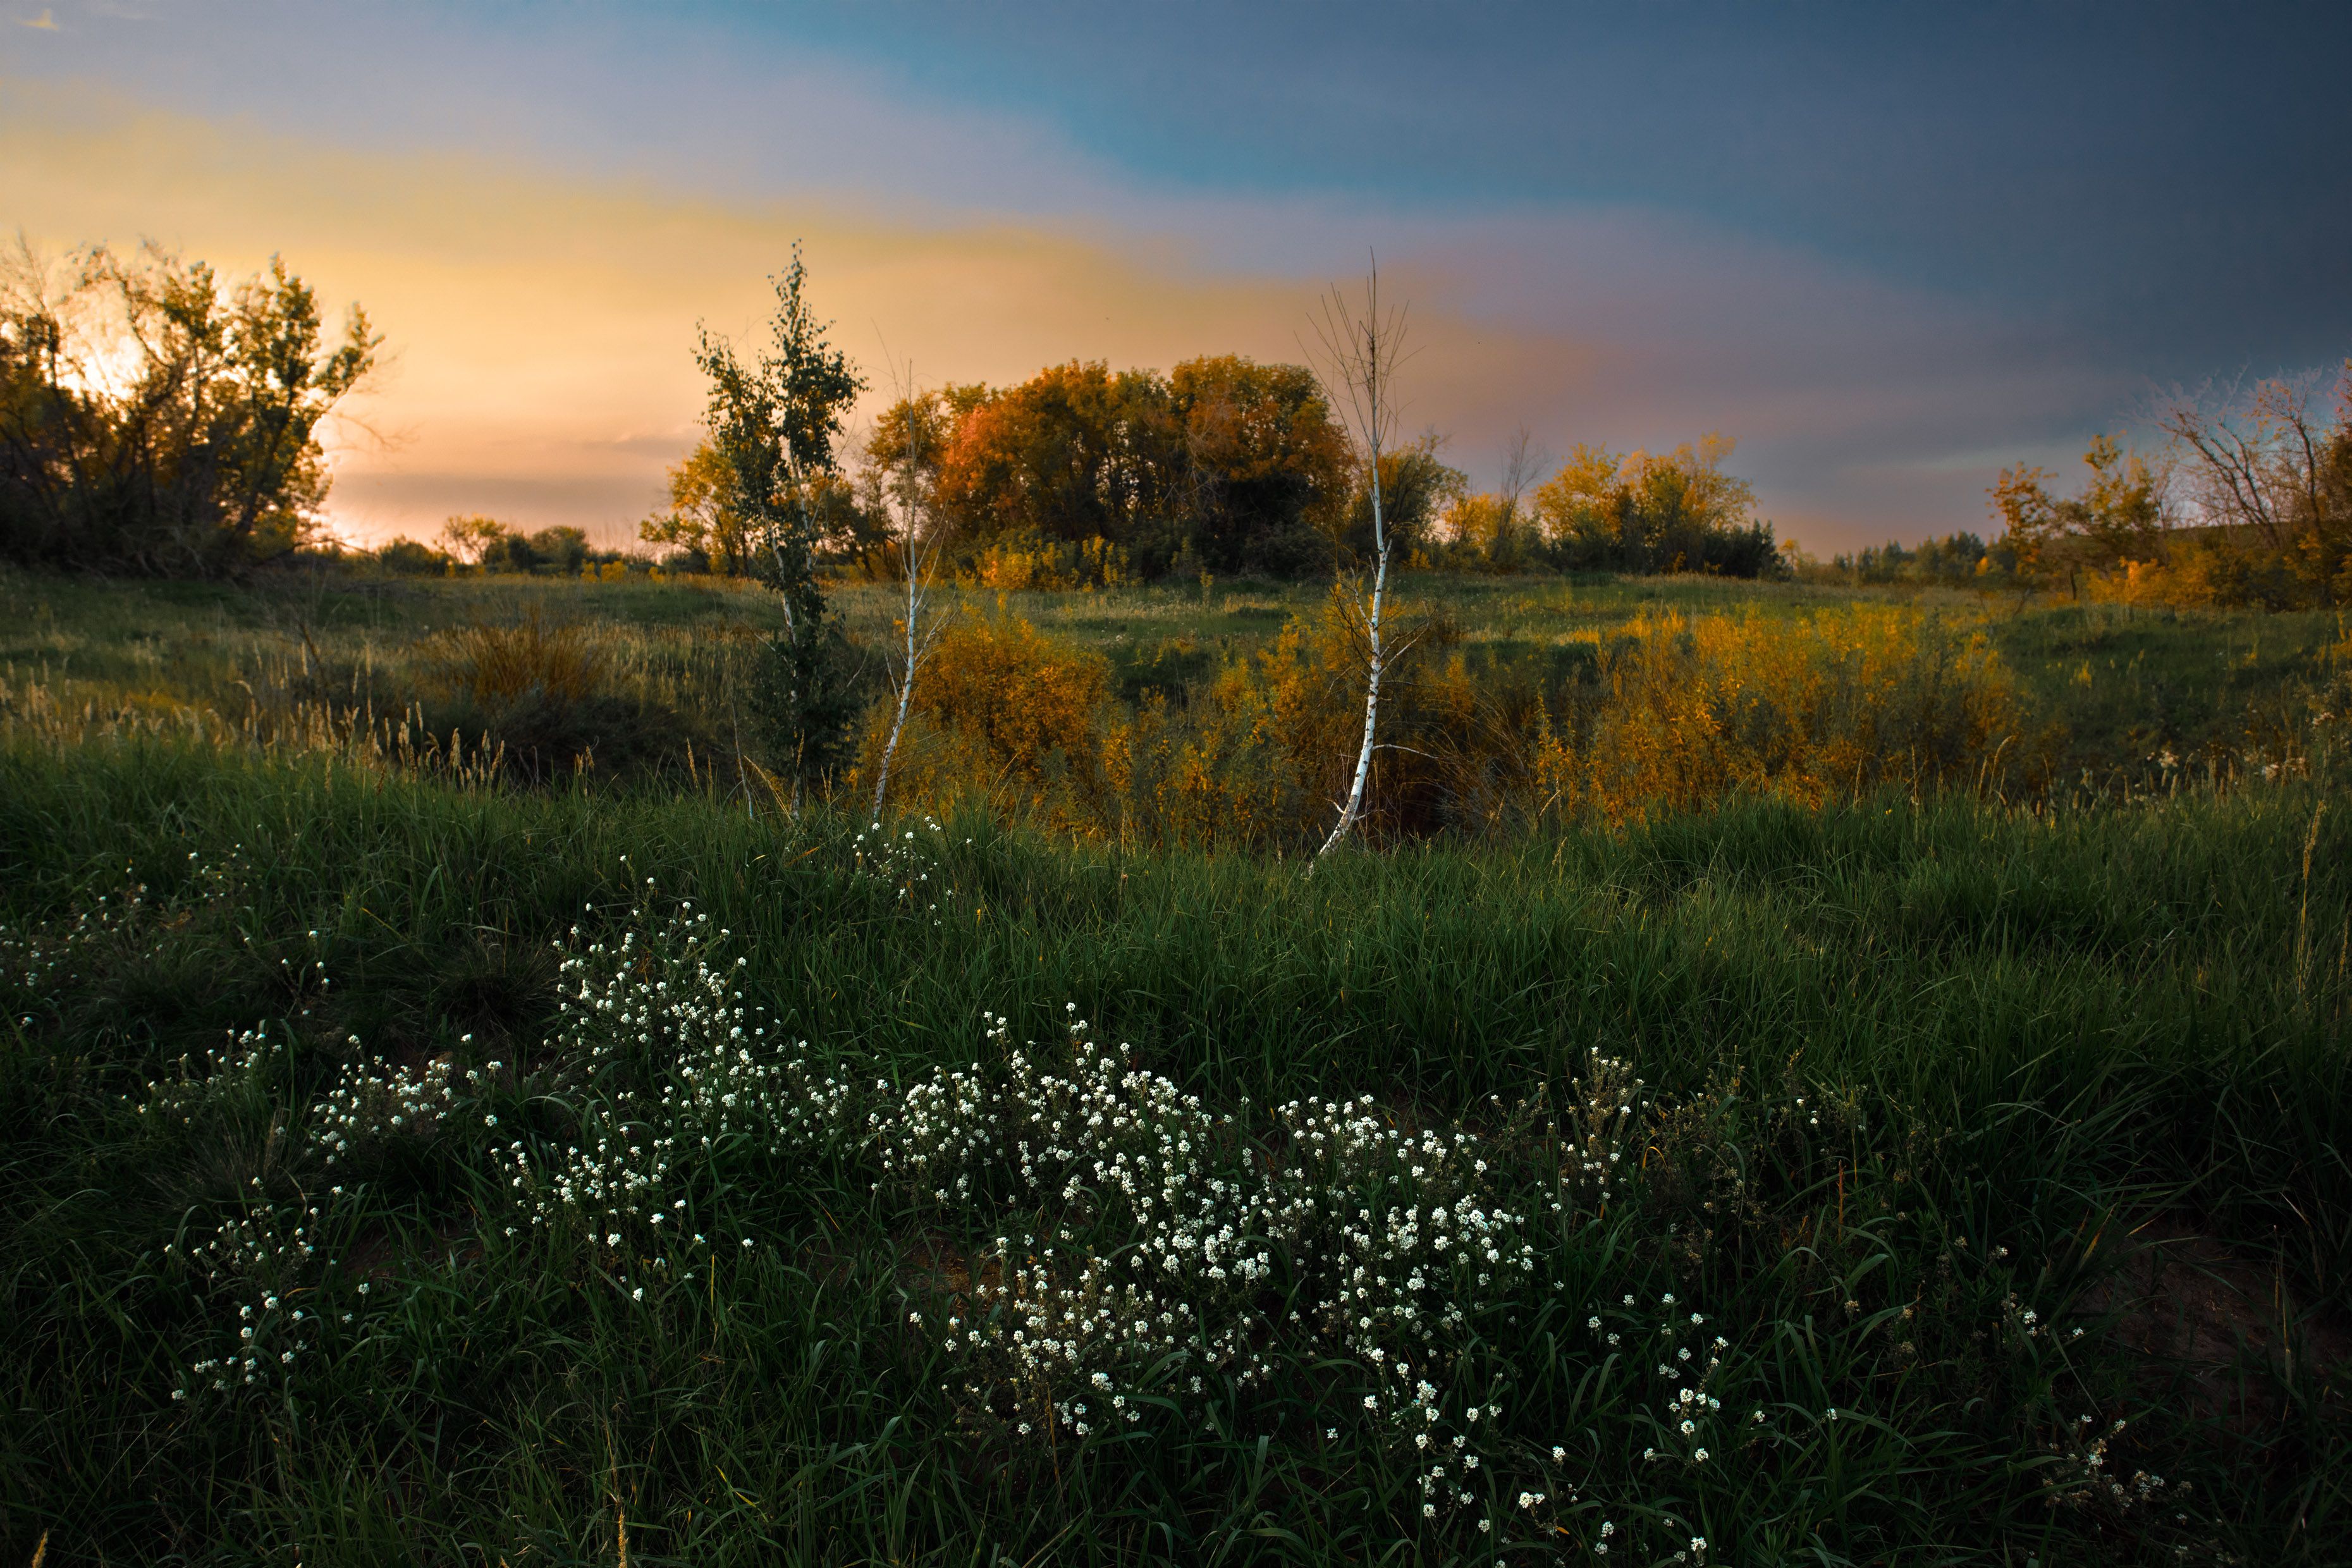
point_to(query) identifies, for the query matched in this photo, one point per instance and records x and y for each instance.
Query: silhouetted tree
(155, 421)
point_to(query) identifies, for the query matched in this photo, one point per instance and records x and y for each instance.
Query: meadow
(1870, 1087)
(1220, 717)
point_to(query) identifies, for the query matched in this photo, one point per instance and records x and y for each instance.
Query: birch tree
(908, 444)
(1361, 344)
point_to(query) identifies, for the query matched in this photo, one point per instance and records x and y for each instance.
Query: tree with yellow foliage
(1666, 512)
(2120, 516)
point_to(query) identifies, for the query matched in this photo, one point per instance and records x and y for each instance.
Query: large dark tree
(154, 421)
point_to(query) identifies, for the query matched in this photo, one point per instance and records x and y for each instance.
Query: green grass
(2034, 1032)
(1914, 1069)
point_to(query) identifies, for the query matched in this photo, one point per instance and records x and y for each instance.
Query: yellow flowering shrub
(1824, 706)
(1668, 713)
(1003, 712)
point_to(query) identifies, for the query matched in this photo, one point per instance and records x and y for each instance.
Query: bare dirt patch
(2222, 1329)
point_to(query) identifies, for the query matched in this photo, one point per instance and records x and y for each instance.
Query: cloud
(47, 21)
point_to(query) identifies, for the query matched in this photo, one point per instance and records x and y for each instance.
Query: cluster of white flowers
(905, 860)
(1165, 1249)
(606, 1186)
(2081, 1478)
(1178, 1250)
(669, 1058)
(1164, 1255)
(1684, 1359)
(272, 1263)
(36, 962)
(1452, 1464)
(940, 1136)
(637, 1012)
(36, 959)
(1602, 1122)
(1126, 1158)
(373, 1100)
(180, 1098)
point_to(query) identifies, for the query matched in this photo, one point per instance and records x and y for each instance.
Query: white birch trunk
(906, 683)
(1355, 806)
(1360, 359)
(912, 514)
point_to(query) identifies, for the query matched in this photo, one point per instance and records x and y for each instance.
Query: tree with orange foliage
(1224, 464)
(1054, 456)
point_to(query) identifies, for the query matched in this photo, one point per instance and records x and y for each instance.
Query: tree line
(1226, 466)
(156, 419)
(2246, 502)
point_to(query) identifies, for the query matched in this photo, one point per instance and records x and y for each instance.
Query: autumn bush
(1025, 561)
(1827, 707)
(1670, 713)
(1005, 713)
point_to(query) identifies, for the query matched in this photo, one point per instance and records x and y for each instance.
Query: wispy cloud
(47, 21)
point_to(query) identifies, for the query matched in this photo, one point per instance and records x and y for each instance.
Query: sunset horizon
(538, 232)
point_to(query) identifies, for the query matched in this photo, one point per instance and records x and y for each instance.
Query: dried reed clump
(548, 698)
(487, 663)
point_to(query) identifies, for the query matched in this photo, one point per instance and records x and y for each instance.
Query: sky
(1888, 249)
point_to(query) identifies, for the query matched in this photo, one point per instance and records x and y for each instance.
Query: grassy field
(407, 1165)
(2113, 675)
(2054, 698)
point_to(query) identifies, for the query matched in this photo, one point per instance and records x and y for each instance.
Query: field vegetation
(463, 1113)
(1220, 717)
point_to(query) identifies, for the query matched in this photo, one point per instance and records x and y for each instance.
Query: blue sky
(1887, 248)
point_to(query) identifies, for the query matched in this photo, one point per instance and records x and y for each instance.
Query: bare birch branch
(918, 538)
(1362, 346)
